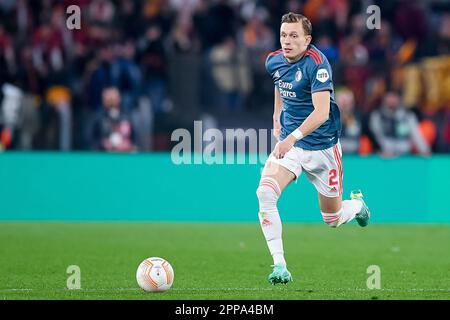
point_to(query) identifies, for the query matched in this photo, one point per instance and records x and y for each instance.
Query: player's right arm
(277, 105)
(277, 113)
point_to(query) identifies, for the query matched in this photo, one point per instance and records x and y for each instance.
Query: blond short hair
(296, 17)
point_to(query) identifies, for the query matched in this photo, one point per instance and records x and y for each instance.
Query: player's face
(293, 40)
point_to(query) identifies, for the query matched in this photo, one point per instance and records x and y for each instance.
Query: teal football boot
(280, 274)
(363, 216)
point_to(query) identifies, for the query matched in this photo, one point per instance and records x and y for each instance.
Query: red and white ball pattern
(155, 275)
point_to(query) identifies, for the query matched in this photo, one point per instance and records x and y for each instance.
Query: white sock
(349, 209)
(268, 193)
(347, 213)
(272, 229)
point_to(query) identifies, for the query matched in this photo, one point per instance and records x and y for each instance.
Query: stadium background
(174, 62)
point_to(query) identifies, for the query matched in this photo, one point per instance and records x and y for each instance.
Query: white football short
(323, 167)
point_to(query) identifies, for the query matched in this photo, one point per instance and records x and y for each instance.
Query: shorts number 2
(333, 175)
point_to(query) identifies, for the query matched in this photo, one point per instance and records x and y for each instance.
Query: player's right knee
(268, 190)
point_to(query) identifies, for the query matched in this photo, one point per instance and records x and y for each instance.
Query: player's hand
(282, 147)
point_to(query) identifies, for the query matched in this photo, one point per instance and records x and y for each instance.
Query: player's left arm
(321, 87)
(320, 114)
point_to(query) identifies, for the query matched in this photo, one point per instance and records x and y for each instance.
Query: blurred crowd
(136, 70)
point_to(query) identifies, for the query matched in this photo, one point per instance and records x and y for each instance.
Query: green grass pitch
(223, 261)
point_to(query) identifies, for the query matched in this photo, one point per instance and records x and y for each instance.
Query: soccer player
(307, 123)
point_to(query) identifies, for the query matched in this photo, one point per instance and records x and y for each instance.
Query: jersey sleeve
(321, 77)
(272, 64)
(269, 66)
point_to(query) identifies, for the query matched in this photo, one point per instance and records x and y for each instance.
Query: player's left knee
(332, 219)
(268, 190)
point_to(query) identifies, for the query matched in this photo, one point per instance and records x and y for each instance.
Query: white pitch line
(231, 289)
(301, 290)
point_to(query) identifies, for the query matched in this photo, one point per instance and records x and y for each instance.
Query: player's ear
(308, 39)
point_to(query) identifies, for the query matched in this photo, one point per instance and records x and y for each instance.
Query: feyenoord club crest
(298, 75)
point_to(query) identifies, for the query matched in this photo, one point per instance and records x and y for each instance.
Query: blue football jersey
(296, 83)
